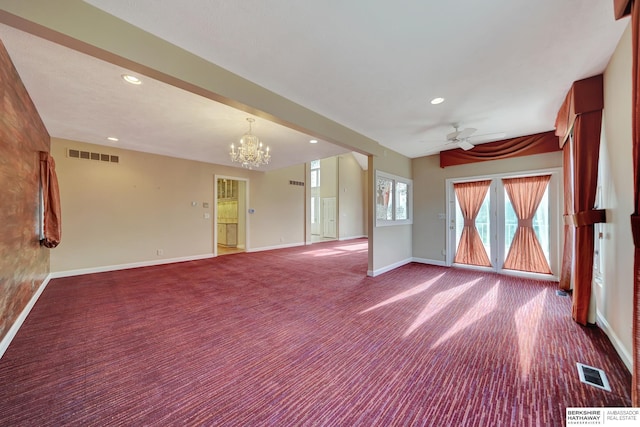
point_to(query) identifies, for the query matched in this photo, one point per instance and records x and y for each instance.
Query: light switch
(206, 215)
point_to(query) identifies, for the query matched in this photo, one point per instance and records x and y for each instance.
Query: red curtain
(525, 253)
(586, 130)
(470, 196)
(581, 116)
(538, 143)
(566, 270)
(52, 226)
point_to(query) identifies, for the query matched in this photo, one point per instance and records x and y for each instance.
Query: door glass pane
(540, 223)
(482, 223)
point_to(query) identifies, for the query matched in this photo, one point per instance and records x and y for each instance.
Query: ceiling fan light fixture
(436, 101)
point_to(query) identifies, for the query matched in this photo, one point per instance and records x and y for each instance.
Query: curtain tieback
(584, 218)
(525, 222)
(469, 222)
(635, 230)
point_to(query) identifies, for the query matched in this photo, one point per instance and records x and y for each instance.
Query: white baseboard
(430, 261)
(623, 352)
(105, 268)
(269, 248)
(379, 271)
(353, 237)
(13, 330)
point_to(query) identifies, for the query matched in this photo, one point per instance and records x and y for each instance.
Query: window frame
(395, 179)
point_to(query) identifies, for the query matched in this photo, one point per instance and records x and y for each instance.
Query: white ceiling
(503, 66)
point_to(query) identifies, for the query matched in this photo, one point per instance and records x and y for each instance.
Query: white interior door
(329, 217)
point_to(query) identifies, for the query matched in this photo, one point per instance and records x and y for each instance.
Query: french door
(507, 223)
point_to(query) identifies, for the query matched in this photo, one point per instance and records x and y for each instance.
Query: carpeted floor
(302, 337)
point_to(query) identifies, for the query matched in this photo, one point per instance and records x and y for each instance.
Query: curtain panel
(538, 143)
(470, 196)
(52, 222)
(580, 114)
(525, 252)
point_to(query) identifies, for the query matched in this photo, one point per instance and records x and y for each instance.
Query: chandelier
(250, 152)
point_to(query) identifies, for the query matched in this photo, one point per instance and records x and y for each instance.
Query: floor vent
(593, 376)
(561, 293)
(87, 155)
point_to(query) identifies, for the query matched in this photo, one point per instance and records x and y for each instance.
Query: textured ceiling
(503, 67)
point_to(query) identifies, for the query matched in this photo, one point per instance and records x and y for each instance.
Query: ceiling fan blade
(466, 133)
(465, 145)
(488, 137)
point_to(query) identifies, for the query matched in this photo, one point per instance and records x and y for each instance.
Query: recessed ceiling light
(313, 141)
(131, 79)
(436, 101)
(112, 138)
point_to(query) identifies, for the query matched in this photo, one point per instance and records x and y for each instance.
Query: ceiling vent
(593, 376)
(89, 155)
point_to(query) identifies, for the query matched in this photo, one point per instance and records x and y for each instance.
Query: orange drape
(51, 197)
(470, 196)
(525, 253)
(566, 270)
(585, 176)
(580, 114)
(538, 143)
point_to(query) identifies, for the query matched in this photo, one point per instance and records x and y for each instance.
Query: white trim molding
(623, 352)
(13, 330)
(374, 273)
(105, 268)
(437, 262)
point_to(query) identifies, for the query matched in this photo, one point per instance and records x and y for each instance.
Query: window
(393, 199)
(315, 196)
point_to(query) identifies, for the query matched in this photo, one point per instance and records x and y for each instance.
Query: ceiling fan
(461, 138)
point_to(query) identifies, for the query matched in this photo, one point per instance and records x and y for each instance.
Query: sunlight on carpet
(480, 309)
(409, 293)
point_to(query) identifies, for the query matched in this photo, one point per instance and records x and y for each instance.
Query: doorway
(505, 223)
(230, 230)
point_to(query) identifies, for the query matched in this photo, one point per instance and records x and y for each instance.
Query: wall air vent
(88, 155)
(299, 183)
(593, 376)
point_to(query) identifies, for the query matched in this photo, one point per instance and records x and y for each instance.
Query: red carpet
(301, 337)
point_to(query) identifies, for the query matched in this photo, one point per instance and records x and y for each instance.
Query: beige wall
(279, 207)
(615, 296)
(350, 198)
(389, 246)
(429, 194)
(122, 214)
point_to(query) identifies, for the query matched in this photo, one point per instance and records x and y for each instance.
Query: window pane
(384, 199)
(315, 164)
(401, 201)
(483, 225)
(315, 178)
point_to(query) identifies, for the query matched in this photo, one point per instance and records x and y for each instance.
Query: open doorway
(323, 193)
(230, 231)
